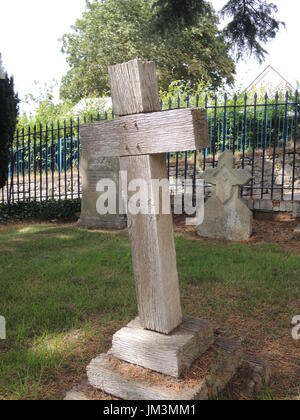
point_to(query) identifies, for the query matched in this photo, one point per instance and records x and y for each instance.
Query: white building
(270, 81)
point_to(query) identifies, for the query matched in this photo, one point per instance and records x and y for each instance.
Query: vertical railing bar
(219, 128)
(292, 129)
(264, 134)
(186, 153)
(271, 125)
(23, 162)
(234, 124)
(245, 131)
(59, 160)
(52, 160)
(65, 157)
(177, 171)
(230, 131)
(78, 155)
(295, 144)
(41, 163)
(12, 175)
(279, 127)
(225, 123)
(205, 150)
(244, 137)
(250, 131)
(35, 166)
(284, 144)
(215, 131)
(71, 157)
(47, 163)
(29, 163)
(254, 143)
(275, 143)
(18, 167)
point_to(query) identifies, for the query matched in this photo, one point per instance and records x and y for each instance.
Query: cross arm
(150, 133)
(236, 176)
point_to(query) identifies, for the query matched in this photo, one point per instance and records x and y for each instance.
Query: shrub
(66, 210)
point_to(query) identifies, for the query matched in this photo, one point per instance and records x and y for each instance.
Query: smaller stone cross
(226, 215)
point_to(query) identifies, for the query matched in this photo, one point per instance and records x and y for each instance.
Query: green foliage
(66, 210)
(46, 112)
(8, 119)
(181, 13)
(116, 31)
(252, 23)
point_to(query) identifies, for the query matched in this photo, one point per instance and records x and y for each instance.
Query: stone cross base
(204, 377)
(208, 377)
(222, 365)
(167, 354)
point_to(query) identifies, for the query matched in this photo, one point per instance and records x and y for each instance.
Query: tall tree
(8, 119)
(252, 22)
(113, 31)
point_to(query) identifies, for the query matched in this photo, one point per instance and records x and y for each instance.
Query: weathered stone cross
(226, 215)
(141, 137)
(226, 178)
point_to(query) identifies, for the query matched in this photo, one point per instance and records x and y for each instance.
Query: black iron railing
(262, 133)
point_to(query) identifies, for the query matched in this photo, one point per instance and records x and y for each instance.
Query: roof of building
(271, 79)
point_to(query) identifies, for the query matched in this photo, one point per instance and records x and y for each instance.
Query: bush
(8, 120)
(66, 210)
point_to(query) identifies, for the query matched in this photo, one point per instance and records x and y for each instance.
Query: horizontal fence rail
(262, 134)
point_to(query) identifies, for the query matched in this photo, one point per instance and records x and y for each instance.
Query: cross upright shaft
(134, 90)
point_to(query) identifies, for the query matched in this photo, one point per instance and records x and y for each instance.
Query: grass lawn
(65, 291)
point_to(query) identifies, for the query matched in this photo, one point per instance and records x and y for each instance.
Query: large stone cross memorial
(160, 339)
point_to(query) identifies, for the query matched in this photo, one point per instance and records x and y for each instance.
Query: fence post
(224, 123)
(254, 143)
(215, 131)
(275, 142)
(295, 144)
(284, 142)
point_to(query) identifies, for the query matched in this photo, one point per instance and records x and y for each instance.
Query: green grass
(65, 290)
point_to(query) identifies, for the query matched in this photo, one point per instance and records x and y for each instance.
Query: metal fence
(262, 134)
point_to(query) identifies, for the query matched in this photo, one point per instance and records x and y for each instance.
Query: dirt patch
(264, 231)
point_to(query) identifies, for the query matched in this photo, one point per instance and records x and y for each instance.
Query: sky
(31, 51)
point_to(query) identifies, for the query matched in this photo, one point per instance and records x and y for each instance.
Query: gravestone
(226, 216)
(160, 341)
(93, 169)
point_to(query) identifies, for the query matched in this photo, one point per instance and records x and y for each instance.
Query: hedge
(66, 210)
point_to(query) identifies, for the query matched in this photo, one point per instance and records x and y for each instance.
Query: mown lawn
(65, 291)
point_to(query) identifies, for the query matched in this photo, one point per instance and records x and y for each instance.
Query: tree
(8, 119)
(252, 22)
(113, 31)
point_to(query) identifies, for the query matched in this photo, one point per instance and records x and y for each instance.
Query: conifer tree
(8, 119)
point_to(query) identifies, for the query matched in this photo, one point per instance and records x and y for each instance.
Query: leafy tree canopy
(8, 119)
(113, 31)
(252, 22)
